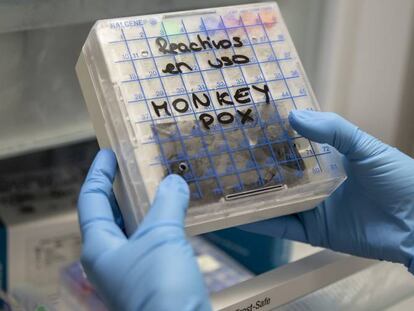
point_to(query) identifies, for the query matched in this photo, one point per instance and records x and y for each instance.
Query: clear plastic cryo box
(206, 94)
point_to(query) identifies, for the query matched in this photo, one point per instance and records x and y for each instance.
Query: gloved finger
(330, 128)
(94, 204)
(170, 203)
(116, 211)
(286, 227)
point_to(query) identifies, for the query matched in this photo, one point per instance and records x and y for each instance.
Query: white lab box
(36, 241)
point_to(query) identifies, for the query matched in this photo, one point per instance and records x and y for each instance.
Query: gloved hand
(372, 214)
(155, 268)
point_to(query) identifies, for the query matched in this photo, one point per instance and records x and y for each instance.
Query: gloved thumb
(170, 203)
(332, 129)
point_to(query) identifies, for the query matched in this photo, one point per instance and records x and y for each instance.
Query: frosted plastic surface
(206, 94)
(16, 15)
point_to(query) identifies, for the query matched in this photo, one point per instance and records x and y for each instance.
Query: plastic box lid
(206, 94)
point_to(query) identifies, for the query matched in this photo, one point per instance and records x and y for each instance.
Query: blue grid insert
(216, 91)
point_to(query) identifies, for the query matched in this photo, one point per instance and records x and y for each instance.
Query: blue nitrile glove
(372, 214)
(155, 268)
